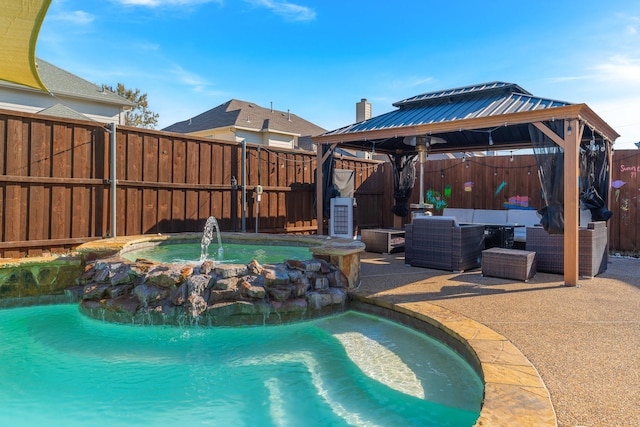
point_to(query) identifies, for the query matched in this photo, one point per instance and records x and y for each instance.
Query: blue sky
(318, 58)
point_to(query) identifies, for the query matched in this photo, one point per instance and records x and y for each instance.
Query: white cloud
(633, 26)
(77, 17)
(188, 78)
(146, 46)
(290, 11)
(418, 81)
(619, 68)
(619, 114)
(161, 3)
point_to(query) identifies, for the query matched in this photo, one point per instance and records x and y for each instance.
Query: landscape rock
(145, 292)
(231, 270)
(223, 284)
(275, 276)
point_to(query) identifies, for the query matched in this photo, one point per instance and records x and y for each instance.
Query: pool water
(233, 253)
(59, 368)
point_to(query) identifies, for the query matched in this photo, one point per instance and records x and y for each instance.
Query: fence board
(61, 194)
(81, 168)
(165, 155)
(191, 197)
(39, 195)
(150, 174)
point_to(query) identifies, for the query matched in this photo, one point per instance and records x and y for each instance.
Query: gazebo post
(319, 191)
(571, 199)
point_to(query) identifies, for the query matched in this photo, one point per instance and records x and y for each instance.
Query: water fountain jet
(207, 236)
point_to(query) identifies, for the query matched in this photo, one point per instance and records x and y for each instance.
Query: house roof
(61, 110)
(247, 115)
(436, 113)
(62, 83)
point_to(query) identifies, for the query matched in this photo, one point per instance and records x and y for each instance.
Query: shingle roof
(60, 110)
(63, 83)
(250, 116)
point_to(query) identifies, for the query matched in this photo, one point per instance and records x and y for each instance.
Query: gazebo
(490, 116)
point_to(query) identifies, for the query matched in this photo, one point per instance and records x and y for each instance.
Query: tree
(140, 115)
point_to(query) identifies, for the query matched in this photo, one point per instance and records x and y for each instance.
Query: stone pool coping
(514, 393)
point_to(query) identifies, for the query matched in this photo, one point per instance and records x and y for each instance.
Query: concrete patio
(584, 341)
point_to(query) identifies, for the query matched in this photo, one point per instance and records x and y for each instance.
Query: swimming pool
(59, 368)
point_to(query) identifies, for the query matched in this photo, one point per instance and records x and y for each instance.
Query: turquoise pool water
(59, 368)
(233, 253)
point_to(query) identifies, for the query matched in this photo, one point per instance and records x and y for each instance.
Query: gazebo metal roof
(457, 116)
(488, 116)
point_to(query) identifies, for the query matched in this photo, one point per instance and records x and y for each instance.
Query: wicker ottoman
(509, 263)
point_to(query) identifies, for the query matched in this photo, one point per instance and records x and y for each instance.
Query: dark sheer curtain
(404, 176)
(594, 177)
(329, 190)
(550, 161)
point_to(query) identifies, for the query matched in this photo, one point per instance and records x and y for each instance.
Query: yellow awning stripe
(20, 22)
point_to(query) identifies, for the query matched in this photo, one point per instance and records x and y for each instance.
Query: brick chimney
(363, 110)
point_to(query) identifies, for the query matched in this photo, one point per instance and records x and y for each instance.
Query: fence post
(113, 179)
(244, 186)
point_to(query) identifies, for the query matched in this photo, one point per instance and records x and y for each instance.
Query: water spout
(207, 236)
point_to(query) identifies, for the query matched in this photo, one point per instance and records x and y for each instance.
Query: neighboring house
(240, 120)
(69, 97)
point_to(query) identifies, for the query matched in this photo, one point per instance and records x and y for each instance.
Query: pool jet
(207, 236)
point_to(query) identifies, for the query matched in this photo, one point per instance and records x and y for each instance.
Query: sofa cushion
(451, 219)
(525, 217)
(462, 215)
(490, 216)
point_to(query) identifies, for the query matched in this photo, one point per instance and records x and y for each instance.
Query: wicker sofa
(592, 249)
(520, 218)
(439, 242)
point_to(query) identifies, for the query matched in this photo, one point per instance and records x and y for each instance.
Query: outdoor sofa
(520, 219)
(592, 249)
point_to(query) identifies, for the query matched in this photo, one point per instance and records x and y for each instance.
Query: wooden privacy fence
(55, 190)
(624, 226)
(495, 182)
(481, 182)
(55, 184)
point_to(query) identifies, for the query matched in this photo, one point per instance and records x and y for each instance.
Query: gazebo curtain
(550, 161)
(404, 176)
(594, 176)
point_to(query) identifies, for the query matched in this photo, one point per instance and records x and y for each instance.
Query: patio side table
(383, 240)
